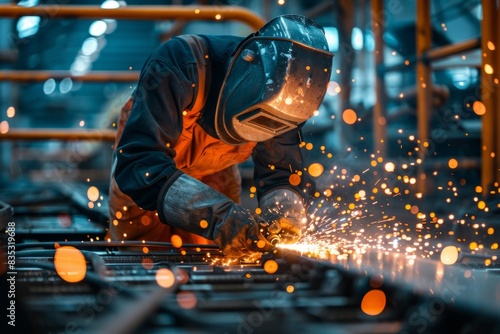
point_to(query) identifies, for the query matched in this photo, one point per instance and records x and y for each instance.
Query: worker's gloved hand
(193, 206)
(284, 210)
(239, 233)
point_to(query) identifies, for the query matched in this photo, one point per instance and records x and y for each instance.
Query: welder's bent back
(196, 153)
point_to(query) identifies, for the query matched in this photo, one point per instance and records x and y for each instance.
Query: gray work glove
(193, 206)
(284, 210)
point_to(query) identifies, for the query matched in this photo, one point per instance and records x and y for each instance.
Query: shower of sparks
(363, 202)
(372, 204)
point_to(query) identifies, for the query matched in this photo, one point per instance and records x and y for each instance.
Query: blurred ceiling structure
(122, 45)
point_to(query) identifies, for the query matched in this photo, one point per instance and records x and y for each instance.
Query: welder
(204, 104)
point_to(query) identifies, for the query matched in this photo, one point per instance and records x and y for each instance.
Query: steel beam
(93, 76)
(379, 109)
(452, 49)
(436, 54)
(488, 149)
(211, 13)
(496, 82)
(424, 84)
(347, 59)
(57, 134)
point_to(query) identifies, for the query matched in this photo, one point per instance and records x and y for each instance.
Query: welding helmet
(275, 81)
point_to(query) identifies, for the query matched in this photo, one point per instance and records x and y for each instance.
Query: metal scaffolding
(489, 42)
(423, 85)
(59, 134)
(490, 138)
(496, 81)
(199, 13)
(209, 13)
(379, 109)
(94, 76)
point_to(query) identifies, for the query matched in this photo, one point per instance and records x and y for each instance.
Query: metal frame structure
(490, 85)
(424, 83)
(94, 76)
(490, 161)
(209, 13)
(490, 138)
(379, 109)
(217, 13)
(57, 134)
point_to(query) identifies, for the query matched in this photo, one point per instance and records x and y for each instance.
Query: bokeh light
(176, 241)
(373, 302)
(70, 264)
(270, 266)
(449, 255)
(165, 278)
(349, 116)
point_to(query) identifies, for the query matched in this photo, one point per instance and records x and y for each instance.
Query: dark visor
(260, 119)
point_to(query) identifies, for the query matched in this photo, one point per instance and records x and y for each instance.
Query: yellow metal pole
(379, 110)
(424, 85)
(345, 17)
(496, 81)
(56, 134)
(217, 13)
(487, 92)
(94, 76)
(453, 49)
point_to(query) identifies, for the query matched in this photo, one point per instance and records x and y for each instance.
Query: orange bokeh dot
(70, 264)
(147, 263)
(294, 179)
(165, 278)
(316, 169)
(93, 193)
(349, 116)
(203, 223)
(479, 108)
(488, 69)
(145, 220)
(373, 302)
(453, 163)
(186, 299)
(270, 266)
(176, 241)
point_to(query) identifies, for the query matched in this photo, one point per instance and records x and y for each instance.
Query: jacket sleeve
(144, 156)
(276, 160)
